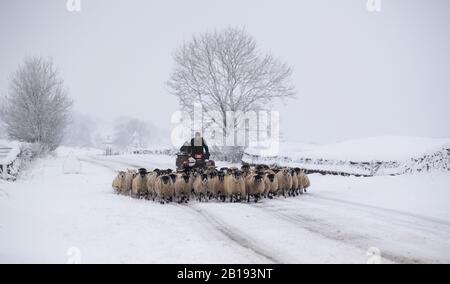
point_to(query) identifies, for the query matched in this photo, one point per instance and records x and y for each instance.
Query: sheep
(200, 185)
(261, 167)
(164, 187)
(284, 181)
(211, 168)
(303, 180)
(293, 190)
(255, 186)
(129, 176)
(299, 180)
(220, 190)
(139, 184)
(173, 176)
(271, 184)
(234, 185)
(248, 181)
(306, 182)
(212, 184)
(289, 179)
(245, 168)
(182, 187)
(118, 181)
(151, 179)
(229, 171)
(191, 181)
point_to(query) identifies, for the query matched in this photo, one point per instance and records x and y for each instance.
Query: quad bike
(187, 161)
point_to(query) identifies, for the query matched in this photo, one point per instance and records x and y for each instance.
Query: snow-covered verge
(46, 212)
(9, 159)
(367, 157)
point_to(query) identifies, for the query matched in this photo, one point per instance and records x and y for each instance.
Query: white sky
(358, 73)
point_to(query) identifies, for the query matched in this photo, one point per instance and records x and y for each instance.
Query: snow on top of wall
(8, 151)
(382, 148)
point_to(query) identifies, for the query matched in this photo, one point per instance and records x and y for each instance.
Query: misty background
(357, 73)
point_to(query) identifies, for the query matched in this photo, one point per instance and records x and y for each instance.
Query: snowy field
(46, 212)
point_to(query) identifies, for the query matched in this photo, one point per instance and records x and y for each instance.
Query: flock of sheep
(247, 183)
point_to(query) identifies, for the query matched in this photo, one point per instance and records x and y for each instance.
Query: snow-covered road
(46, 212)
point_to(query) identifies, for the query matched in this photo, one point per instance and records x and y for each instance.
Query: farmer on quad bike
(197, 149)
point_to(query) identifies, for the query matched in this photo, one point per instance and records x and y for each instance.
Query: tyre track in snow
(382, 209)
(330, 231)
(340, 232)
(433, 226)
(237, 236)
(232, 235)
(422, 223)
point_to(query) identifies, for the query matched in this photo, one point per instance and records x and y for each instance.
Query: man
(197, 145)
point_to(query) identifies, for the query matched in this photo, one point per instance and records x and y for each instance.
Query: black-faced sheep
(182, 187)
(151, 180)
(262, 167)
(271, 182)
(234, 185)
(139, 184)
(164, 187)
(212, 184)
(221, 185)
(303, 180)
(255, 186)
(200, 185)
(284, 181)
(245, 168)
(294, 188)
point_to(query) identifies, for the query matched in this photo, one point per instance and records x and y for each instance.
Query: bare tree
(37, 107)
(224, 71)
(130, 132)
